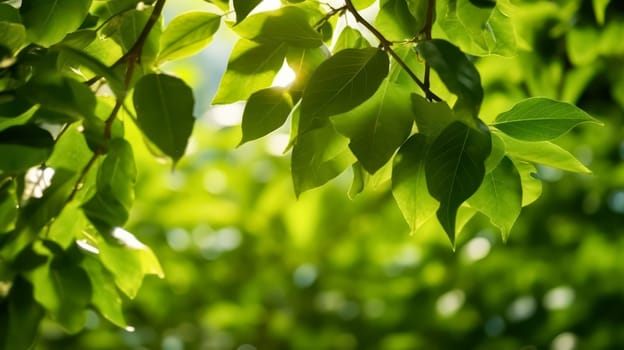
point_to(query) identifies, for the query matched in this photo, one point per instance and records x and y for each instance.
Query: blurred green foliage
(248, 266)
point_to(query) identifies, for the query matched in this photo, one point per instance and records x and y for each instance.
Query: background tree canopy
(444, 119)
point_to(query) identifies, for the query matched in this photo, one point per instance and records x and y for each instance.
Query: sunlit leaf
(397, 20)
(128, 260)
(12, 35)
(265, 111)
(431, 117)
(48, 21)
(458, 74)
(531, 185)
(303, 62)
(455, 168)
(600, 7)
(377, 127)
(8, 206)
(500, 196)
(342, 82)
(80, 58)
(105, 296)
(290, 25)
(350, 38)
(478, 30)
(187, 34)
(543, 152)
(251, 67)
(164, 106)
(131, 25)
(541, 119)
(409, 183)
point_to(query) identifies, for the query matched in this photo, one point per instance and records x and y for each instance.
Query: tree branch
(386, 45)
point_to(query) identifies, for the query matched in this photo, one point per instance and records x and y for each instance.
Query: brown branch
(328, 15)
(427, 31)
(386, 45)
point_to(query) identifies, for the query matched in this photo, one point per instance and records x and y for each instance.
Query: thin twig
(328, 15)
(386, 45)
(427, 31)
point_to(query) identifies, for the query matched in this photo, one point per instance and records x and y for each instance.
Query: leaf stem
(386, 45)
(427, 30)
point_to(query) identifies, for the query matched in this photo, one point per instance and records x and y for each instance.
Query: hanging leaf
(251, 67)
(110, 206)
(431, 117)
(303, 62)
(265, 111)
(288, 25)
(455, 168)
(409, 183)
(342, 82)
(541, 119)
(105, 296)
(543, 152)
(187, 34)
(397, 20)
(243, 8)
(24, 146)
(47, 22)
(350, 38)
(458, 74)
(164, 107)
(500, 196)
(317, 157)
(377, 127)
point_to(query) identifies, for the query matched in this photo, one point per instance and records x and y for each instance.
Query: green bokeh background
(249, 266)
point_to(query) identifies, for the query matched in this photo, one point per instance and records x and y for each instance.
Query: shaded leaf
(303, 62)
(458, 74)
(251, 67)
(377, 127)
(500, 196)
(541, 119)
(409, 183)
(83, 59)
(317, 157)
(342, 82)
(164, 107)
(290, 25)
(131, 25)
(431, 117)
(265, 111)
(455, 168)
(243, 7)
(187, 34)
(24, 146)
(20, 315)
(8, 206)
(12, 35)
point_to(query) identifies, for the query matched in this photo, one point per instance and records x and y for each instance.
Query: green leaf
(48, 21)
(105, 296)
(24, 146)
(79, 39)
(243, 7)
(458, 74)
(317, 157)
(303, 62)
(9, 13)
(60, 95)
(187, 34)
(541, 119)
(497, 154)
(110, 205)
(478, 30)
(350, 38)
(64, 290)
(342, 82)
(131, 26)
(543, 152)
(600, 7)
(377, 127)
(531, 185)
(431, 117)
(409, 183)
(164, 107)
(251, 67)
(397, 20)
(20, 315)
(265, 111)
(128, 260)
(455, 168)
(8, 206)
(82, 59)
(12, 35)
(500, 196)
(289, 25)
(360, 177)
